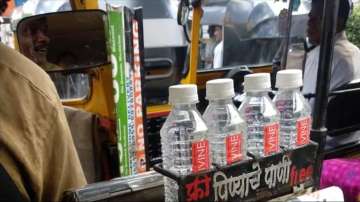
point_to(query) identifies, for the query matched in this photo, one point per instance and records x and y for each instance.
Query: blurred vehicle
(251, 29)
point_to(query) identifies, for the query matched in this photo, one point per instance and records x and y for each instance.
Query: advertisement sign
(125, 57)
(250, 180)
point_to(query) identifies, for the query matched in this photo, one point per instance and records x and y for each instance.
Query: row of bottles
(224, 134)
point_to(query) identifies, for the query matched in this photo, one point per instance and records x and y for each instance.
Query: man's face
(314, 24)
(40, 40)
(218, 33)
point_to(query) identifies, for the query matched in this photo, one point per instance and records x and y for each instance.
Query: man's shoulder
(24, 69)
(345, 49)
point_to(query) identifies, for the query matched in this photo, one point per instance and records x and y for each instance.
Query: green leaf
(353, 26)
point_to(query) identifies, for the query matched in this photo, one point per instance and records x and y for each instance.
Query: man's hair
(38, 24)
(211, 30)
(345, 7)
(3, 6)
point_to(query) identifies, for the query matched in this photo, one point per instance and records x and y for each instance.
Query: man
(345, 68)
(40, 40)
(34, 42)
(36, 148)
(209, 48)
(219, 49)
(346, 56)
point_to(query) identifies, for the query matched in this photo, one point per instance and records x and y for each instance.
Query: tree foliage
(353, 26)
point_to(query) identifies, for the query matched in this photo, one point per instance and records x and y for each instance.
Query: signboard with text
(252, 180)
(125, 57)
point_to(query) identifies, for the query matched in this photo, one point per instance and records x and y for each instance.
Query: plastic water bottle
(227, 133)
(261, 116)
(185, 147)
(295, 112)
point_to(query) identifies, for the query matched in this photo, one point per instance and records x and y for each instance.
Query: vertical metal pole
(328, 30)
(288, 35)
(194, 47)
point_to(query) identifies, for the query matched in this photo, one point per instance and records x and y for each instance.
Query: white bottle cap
(183, 94)
(290, 78)
(257, 82)
(220, 89)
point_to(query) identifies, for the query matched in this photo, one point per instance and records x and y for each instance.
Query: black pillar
(328, 31)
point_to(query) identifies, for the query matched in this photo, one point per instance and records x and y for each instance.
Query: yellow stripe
(195, 34)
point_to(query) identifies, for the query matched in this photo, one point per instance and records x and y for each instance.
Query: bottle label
(271, 139)
(233, 148)
(200, 156)
(303, 131)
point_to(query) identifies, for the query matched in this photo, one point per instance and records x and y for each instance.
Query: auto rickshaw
(98, 101)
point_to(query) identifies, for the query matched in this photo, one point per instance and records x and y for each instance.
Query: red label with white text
(233, 148)
(271, 139)
(200, 156)
(303, 131)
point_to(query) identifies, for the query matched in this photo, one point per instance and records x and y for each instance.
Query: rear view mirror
(64, 40)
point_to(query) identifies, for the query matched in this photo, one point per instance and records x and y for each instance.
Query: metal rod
(334, 93)
(195, 35)
(288, 34)
(328, 30)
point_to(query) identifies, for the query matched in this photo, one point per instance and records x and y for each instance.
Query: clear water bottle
(295, 111)
(185, 147)
(261, 116)
(227, 133)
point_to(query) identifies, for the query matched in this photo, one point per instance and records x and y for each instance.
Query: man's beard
(40, 57)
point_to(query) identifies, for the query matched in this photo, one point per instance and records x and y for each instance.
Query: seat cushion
(343, 173)
(81, 124)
